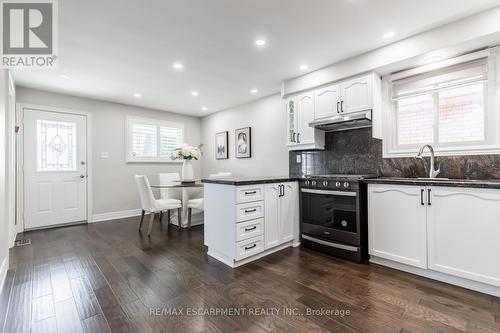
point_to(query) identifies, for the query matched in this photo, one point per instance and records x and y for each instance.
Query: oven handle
(347, 194)
(331, 244)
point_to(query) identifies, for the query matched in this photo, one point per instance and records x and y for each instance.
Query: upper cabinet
(357, 94)
(327, 101)
(361, 93)
(300, 112)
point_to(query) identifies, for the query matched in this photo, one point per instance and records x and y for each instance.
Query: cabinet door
(289, 212)
(464, 233)
(291, 122)
(305, 110)
(397, 224)
(356, 94)
(271, 215)
(326, 101)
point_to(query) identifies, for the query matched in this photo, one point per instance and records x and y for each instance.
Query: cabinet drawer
(249, 229)
(249, 193)
(249, 247)
(249, 211)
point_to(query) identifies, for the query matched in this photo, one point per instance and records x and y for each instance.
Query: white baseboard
(115, 215)
(197, 218)
(455, 280)
(3, 271)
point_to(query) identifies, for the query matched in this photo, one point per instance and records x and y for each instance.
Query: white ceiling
(114, 48)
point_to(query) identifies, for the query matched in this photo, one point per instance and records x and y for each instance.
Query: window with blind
(150, 140)
(447, 107)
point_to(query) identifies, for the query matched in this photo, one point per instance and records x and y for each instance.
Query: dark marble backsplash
(356, 152)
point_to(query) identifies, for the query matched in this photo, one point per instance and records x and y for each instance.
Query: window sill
(442, 152)
(153, 162)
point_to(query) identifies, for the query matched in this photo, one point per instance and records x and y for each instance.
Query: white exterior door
(397, 223)
(55, 168)
(289, 211)
(326, 101)
(305, 110)
(357, 94)
(272, 215)
(464, 233)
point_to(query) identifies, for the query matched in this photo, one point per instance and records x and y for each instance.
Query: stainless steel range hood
(342, 122)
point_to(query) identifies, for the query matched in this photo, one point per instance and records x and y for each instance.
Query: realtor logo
(29, 34)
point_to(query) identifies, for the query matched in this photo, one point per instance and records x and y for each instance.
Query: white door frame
(20, 165)
(11, 162)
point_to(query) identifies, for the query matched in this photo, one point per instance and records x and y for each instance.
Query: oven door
(331, 215)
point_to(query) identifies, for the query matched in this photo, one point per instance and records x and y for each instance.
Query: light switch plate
(104, 155)
(298, 158)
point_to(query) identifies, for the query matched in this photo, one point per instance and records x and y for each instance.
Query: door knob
(82, 176)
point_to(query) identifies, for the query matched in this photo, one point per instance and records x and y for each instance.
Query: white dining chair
(220, 175)
(152, 205)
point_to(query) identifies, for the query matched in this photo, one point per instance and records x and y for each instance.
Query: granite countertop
(248, 180)
(435, 182)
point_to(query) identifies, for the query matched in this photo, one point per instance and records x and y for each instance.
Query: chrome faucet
(432, 173)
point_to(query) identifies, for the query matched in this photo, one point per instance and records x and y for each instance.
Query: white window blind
(445, 107)
(151, 140)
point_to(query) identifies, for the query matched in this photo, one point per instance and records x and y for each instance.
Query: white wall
(266, 117)
(4, 224)
(113, 180)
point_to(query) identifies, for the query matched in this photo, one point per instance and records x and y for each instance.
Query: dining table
(185, 196)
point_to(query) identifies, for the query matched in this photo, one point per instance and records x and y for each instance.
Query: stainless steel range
(333, 215)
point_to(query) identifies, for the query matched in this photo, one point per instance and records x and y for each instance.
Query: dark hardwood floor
(107, 277)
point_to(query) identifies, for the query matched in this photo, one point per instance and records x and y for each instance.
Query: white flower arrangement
(187, 152)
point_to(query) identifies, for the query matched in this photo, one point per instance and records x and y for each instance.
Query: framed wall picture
(221, 140)
(243, 142)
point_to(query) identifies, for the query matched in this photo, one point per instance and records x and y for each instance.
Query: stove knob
(337, 184)
(313, 183)
(325, 183)
(307, 183)
(346, 184)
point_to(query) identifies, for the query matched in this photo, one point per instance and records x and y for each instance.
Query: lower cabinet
(281, 213)
(244, 223)
(397, 228)
(464, 233)
(445, 229)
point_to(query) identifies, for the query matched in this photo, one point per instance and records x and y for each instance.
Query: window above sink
(451, 105)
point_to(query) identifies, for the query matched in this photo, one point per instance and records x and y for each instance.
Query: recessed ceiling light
(194, 93)
(303, 67)
(204, 108)
(254, 91)
(260, 42)
(64, 76)
(388, 35)
(178, 65)
(137, 95)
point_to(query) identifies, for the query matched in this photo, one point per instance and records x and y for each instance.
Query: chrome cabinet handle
(250, 210)
(298, 137)
(82, 176)
(429, 197)
(422, 197)
(250, 192)
(338, 103)
(250, 229)
(342, 106)
(250, 247)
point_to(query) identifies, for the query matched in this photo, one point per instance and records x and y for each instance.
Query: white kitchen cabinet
(464, 233)
(397, 223)
(357, 94)
(246, 222)
(327, 101)
(300, 112)
(281, 213)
